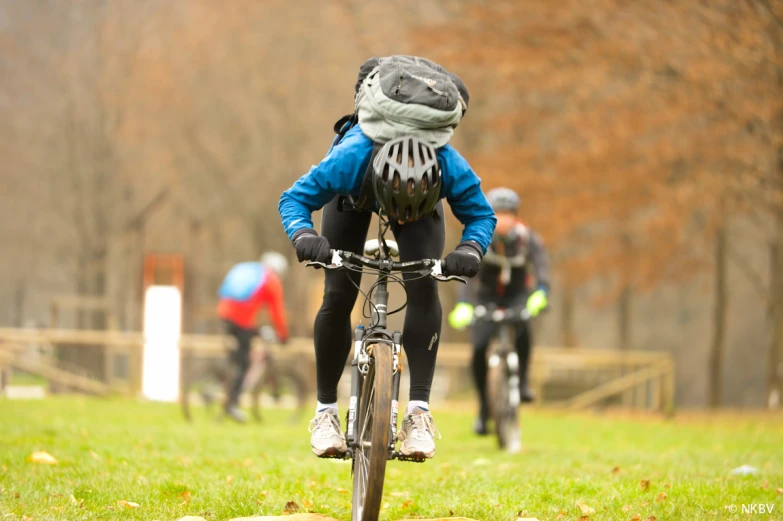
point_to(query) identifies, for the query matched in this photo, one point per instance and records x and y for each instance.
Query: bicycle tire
(503, 413)
(373, 426)
(285, 379)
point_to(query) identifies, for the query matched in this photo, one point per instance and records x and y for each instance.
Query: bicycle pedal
(335, 455)
(414, 459)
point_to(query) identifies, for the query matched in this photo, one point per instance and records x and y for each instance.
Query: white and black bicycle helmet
(274, 261)
(503, 200)
(406, 179)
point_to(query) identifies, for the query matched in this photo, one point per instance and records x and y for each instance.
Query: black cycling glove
(310, 246)
(464, 261)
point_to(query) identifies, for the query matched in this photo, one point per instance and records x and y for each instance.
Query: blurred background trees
(644, 138)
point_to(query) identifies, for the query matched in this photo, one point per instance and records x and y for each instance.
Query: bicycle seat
(372, 248)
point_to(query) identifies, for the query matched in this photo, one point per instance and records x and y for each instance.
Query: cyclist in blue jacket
(418, 223)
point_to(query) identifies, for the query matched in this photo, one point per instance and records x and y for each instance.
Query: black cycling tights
(423, 239)
(482, 334)
(239, 360)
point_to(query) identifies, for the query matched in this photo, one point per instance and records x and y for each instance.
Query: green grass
(110, 450)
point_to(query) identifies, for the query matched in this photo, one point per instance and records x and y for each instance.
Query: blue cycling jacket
(341, 173)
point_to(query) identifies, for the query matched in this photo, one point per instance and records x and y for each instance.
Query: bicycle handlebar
(498, 315)
(433, 268)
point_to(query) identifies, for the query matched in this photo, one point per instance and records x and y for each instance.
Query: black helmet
(406, 178)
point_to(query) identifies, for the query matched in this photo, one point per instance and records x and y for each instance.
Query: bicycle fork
(358, 368)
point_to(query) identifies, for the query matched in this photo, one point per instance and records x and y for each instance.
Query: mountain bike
(371, 430)
(503, 376)
(205, 382)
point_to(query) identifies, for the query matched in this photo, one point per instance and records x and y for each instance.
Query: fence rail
(573, 378)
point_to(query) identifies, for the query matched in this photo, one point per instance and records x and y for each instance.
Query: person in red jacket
(247, 288)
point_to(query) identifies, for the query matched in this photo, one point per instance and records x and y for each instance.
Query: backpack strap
(366, 197)
(343, 125)
(364, 202)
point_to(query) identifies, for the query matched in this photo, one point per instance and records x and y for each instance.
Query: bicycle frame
(376, 334)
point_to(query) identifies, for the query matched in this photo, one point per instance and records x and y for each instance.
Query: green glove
(537, 302)
(461, 316)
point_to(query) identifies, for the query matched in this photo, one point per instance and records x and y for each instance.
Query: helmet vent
(411, 187)
(396, 183)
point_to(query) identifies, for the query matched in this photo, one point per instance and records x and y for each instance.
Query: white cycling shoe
(327, 439)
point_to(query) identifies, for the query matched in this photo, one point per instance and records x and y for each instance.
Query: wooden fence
(575, 379)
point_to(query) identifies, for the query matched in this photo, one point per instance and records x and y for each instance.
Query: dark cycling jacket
(504, 269)
(341, 173)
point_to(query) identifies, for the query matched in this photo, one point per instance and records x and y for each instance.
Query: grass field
(113, 450)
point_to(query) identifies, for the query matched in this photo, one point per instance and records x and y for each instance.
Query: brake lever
(437, 274)
(337, 262)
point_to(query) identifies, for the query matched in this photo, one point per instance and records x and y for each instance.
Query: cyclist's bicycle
(205, 382)
(371, 432)
(503, 378)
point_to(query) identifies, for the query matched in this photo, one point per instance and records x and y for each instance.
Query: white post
(162, 331)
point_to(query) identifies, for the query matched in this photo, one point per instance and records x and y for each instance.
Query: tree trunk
(624, 319)
(20, 295)
(775, 316)
(719, 321)
(567, 334)
(624, 309)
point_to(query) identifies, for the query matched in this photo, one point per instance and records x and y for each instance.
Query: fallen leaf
(25, 518)
(764, 485)
(185, 498)
(127, 504)
(667, 485)
(585, 508)
(312, 484)
(229, 479)
(644, 504)
(291, 508)
(644, 484)
(42, 457)
(652, 518)
(17, 495)
(451, 513)
(626, 508)
(407, 504)
(583, 518)
(616, 470)
(636, 517)
(94, 455)
(661, 496)
(342, 491)
(264, 493)
(73, 500)
(306, 504)
(561, 514)
(779, 491)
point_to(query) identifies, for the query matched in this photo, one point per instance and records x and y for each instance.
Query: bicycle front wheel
(373, 429)
(505, 413)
